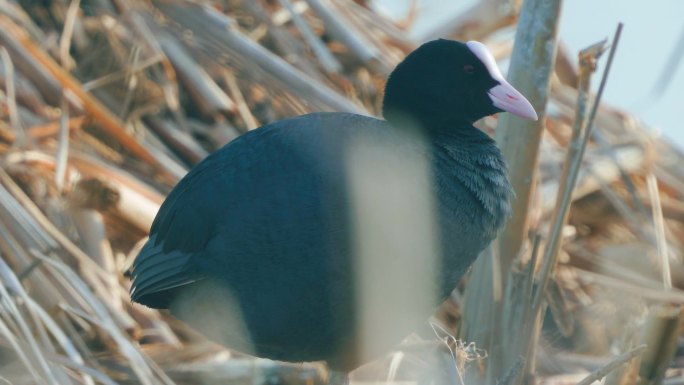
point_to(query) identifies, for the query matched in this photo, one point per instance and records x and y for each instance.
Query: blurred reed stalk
(487, 319)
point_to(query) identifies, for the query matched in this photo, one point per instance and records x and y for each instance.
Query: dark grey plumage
(264, 223)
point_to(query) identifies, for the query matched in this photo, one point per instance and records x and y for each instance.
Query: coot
(257, 245)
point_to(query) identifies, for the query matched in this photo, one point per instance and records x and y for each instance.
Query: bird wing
(255, 202)
(178, 235)
(155, 272)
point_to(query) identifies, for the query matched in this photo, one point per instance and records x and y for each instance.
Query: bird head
(446, 82)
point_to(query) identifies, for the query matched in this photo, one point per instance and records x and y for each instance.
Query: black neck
(435, 127)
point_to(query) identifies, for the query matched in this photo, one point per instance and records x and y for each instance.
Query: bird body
(264, 224)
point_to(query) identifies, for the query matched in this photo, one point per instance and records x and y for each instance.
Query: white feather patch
(486, 57)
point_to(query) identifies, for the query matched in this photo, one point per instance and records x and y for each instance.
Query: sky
(650, 35)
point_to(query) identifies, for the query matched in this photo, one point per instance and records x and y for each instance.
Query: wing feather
(155, 272)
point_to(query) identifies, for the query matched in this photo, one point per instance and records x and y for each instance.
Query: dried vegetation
(105, 105)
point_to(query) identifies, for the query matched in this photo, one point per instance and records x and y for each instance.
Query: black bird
(255, 245)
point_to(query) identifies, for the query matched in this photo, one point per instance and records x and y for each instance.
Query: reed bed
(104, 106)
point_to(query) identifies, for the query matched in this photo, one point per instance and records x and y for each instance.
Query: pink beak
(507, 98)
(503, 96)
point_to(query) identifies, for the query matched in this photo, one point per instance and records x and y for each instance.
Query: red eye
(468, 69)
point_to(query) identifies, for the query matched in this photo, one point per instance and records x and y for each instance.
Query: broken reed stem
(602, 86)
(62, 156)
(531, 67)
(660, 332)
(67, 34)
(587, 63)
(12, 109)
(659, 230)
(242, 107)
(612, 365)
(573, 164)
